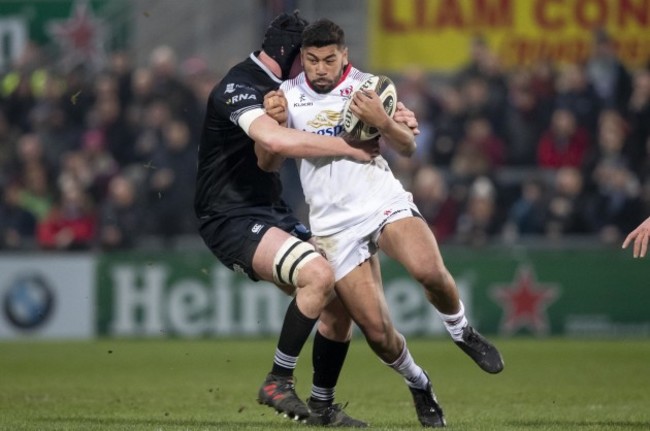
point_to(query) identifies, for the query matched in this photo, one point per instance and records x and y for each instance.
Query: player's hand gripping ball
(385, 89)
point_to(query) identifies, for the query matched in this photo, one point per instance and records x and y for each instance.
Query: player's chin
(323, 87)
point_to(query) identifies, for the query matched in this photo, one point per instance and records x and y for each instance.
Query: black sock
(328, 358)
(295, 331)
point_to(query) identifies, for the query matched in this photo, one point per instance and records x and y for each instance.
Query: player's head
(282, 40)
(323, 54)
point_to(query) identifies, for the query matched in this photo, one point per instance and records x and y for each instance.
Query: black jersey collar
(257, 61)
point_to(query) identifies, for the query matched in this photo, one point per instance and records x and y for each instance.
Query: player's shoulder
(243, 82)
(358, 75)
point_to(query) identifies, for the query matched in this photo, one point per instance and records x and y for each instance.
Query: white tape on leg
(290, 259)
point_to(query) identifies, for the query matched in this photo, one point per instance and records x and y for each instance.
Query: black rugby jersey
(228, 179)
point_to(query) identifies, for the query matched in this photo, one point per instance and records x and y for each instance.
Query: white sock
(455, 322)
(405, 365)
(322, 394)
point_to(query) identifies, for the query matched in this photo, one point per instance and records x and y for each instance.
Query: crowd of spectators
(102, 160)
(550, 151)
(99, 159)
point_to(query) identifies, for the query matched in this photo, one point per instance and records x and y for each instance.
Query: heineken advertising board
(539, 293)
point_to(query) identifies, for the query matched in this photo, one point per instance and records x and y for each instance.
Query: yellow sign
(436, 34)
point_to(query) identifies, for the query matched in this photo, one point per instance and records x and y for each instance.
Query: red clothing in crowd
(554, 154)
(58, 232)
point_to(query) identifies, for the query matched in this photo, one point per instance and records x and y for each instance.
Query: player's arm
(368, 107)
(278, 140)
(405, 116)
(275, 106)
(641, 237)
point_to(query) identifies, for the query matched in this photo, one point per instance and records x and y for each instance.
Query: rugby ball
(387, 92)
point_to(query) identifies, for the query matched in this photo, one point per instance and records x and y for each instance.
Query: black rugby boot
(481, 350)
(427, 408)
(279, 392)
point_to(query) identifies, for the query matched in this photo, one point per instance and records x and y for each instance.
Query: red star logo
(81, 37)
(524, 303)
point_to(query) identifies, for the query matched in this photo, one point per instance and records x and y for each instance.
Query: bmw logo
(28, 301)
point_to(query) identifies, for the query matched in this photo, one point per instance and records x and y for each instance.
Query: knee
(317, 276)
(433, 278)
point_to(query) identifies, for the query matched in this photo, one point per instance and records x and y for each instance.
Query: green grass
(167, 385)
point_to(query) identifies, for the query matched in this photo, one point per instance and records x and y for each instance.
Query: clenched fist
(275, 106)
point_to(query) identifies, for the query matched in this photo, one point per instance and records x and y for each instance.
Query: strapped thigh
(290, 258)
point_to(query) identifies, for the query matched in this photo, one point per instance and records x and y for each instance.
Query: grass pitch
(174, 385)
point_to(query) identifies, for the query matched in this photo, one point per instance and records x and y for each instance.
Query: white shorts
(349, 248)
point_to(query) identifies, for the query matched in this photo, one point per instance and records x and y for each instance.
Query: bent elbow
(266, 167)
(408, 150)
(274, 146)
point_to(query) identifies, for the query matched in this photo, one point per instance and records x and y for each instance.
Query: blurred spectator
(20, 99)
(120, 69)
(479, 152)
(479, 53)
(35, 195)
(31, 172)
(639, 113)
(77, 95)
(565, 143)
(167, 84)
(107, 118)
(200, 80)
(543, 81)
(121, 217)
(9, 136)
(449, 126)
(171, 183)
(543, 77)
(611, 145)
(574, 92)
(608, 74)
(478, 222)
(58, 134)
(141, 95)
(91, 167)
(148, 141)
(527, 215)
(71, 223)
(522, 121)
(17, 225)
(476, 93)
(436, 204)
(567, 207)
(615, 207)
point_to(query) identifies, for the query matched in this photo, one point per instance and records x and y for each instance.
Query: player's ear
(345, 55)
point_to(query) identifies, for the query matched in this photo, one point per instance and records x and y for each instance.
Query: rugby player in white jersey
(357, 208)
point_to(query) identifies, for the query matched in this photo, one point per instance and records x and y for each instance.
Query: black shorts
(234, 239)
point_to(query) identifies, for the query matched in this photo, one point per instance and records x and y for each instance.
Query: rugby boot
(279, 392)
(481, 351)
(331, 415)
(427, 408)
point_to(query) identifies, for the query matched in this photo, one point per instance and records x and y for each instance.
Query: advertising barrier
(506, 292)
(509, 292)
(46, 296)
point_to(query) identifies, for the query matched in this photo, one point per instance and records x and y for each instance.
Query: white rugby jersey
(340, 192)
